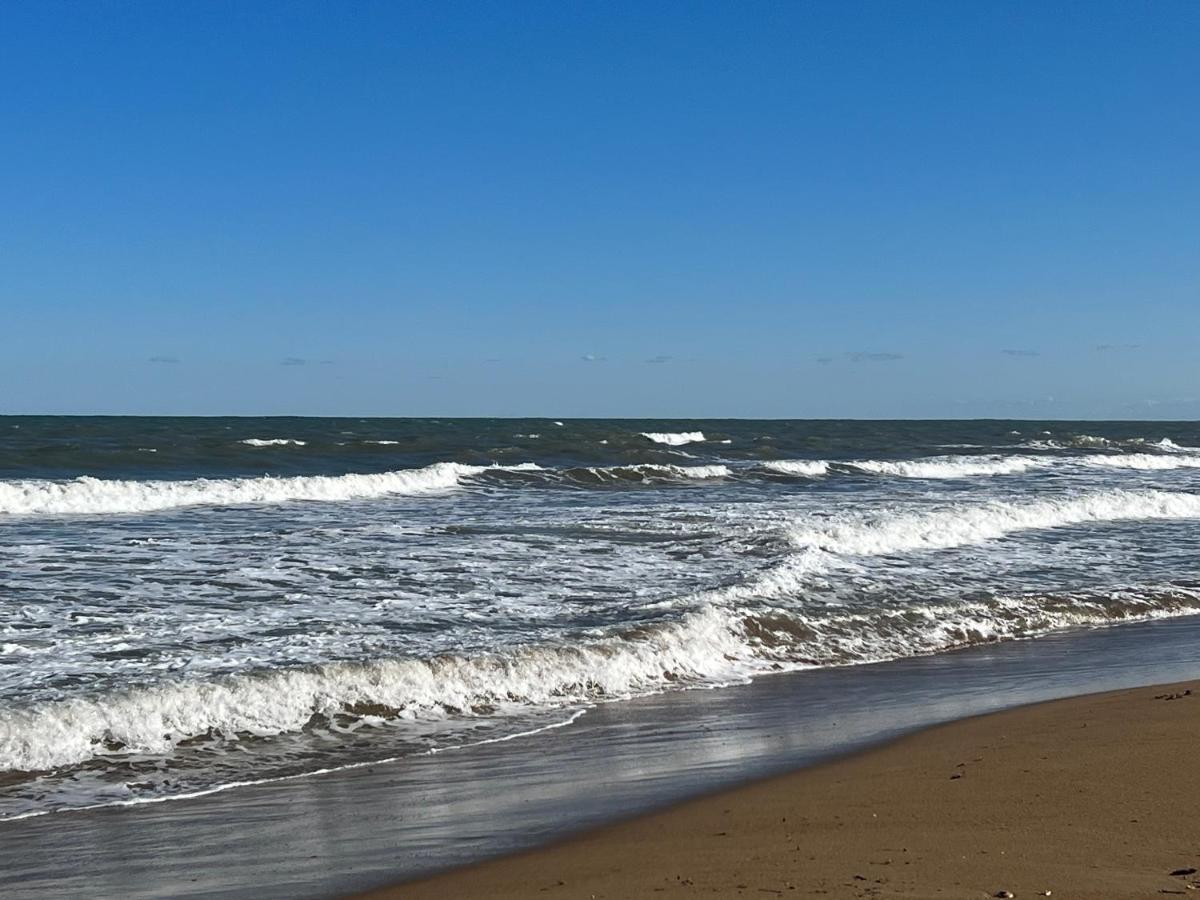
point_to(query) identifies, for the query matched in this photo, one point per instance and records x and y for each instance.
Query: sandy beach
(1093, 796)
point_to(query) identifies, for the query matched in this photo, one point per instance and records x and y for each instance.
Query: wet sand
(1094, 796)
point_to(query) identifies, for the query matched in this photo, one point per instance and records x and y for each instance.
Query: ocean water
(188, 605)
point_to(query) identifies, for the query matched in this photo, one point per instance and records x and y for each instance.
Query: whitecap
(674, 439)
(950, 466)
(86, 495)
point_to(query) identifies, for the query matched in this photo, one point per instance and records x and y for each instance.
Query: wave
(848, 636)
(642, 473)
(950, 466)
(274, 442)
(807, 468)
(964, 524)
(725, 635)
(674, 439)
(1093, 442)
(700, 648)
(709, 646)
(1145, 461)
(931, 467)
(87, 495)
(1087, 441)
(939, 467)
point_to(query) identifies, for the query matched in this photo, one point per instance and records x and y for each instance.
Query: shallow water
(328, 835)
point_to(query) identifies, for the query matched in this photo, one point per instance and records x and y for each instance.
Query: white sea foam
(382, 443)
(700, 648)
(701, 472)
(709, 646)
(964, 524)
(725, 636)
(1169, 446)
(653, 470)
(674, 439)
(932, 467)
(273, 442)
(838, 636)
(87, 495)
(809, 468)
(1093, 442)
(1145, 461)
(950, 466)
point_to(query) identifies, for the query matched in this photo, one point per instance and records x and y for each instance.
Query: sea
(192, 605)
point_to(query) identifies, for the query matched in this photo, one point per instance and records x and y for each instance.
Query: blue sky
(571, 209)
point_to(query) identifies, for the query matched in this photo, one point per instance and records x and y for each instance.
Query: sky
(664, 209)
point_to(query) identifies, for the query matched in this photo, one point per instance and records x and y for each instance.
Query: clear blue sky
(661, 209)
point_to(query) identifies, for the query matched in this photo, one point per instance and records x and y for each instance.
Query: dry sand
(1095, 796)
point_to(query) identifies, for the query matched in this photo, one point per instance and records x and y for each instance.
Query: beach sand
(1095, 796)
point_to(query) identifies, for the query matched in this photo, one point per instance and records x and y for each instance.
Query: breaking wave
(1094, 442)
(807, 468)
(643, 473)
(963, 524)
(726, 635)
(87, 495)
(1146, 461)
(698, 649)
(950, 466)
(710, 646)
(675, 439)
(848, 636)
(1169, 446)
(932, 467)
(274, 442)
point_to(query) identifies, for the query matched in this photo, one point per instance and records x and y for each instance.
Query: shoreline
(1085, 796)
(356, 830)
